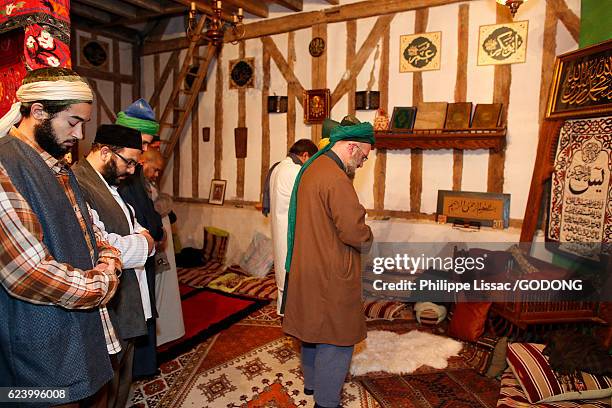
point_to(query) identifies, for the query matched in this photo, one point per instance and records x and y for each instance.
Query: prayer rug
(205, 313)
(451, 388)
(581, 191)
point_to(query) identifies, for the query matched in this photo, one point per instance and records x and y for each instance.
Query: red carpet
(206, 312)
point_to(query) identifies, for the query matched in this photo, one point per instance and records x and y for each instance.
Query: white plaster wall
(194, 217)
(437, 86)
(106, 88)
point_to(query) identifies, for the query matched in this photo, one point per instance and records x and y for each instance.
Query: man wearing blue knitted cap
(140, 116)
(326, 235)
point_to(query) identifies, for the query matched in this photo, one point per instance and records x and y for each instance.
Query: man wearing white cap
(51, 254)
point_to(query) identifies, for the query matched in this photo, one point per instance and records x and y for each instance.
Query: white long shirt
(133, 247)
(282, 180)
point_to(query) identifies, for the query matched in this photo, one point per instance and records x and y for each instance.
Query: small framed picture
(316, 105)
(217, 192)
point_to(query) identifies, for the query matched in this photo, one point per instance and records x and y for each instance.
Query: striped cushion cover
(214, 246)
(479, 354)
(202, 275)
(260, 288)
(542, 384)
(382, 309)
(512, 395)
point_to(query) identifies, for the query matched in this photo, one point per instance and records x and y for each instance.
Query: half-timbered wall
(115, 83)
(395, 183)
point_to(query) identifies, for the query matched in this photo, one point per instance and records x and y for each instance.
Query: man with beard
(56, 271)
(140, 116)
(113, 156)
(326, 235)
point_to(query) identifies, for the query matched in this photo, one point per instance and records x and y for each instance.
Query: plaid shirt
(30, 273)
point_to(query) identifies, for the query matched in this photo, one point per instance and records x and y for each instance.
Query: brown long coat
(324, 294)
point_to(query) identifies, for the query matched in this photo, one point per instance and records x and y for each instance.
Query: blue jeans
(325, 367)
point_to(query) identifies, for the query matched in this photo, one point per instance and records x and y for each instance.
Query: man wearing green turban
(140, 116)
(327, 233)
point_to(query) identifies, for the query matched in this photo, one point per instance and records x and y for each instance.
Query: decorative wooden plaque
(489, 209)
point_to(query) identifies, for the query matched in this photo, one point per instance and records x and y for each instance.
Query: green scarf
(362, 132)
(147, 127)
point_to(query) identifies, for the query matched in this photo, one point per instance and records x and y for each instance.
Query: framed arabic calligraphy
(488, 209)
(500, 44)
(582, 83)
(420, 52)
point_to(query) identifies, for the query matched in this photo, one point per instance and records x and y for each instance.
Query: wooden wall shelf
(431, 139)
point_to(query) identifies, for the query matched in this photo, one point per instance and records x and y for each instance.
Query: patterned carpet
(453, 389)
(251, 364)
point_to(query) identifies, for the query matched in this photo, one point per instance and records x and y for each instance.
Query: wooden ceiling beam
(363, 9)
(256, 7)
(151, 5)
(369, 8)
(119, 33)
(113, 6)
(334, 2)
(295, 5)
(90, 13)
(167, 12)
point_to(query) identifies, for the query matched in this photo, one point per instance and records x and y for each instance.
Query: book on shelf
(430, 115)
(403, 118)
(458, 115)
(486, 116)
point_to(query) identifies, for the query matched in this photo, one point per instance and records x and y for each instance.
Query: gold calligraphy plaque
(420, 52)
(582, 83)
(500, 44)
(490, 209)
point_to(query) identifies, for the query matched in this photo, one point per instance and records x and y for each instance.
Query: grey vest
(49, 346)
(125, 308)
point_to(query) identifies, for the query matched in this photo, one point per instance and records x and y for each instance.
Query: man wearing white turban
(56, 271)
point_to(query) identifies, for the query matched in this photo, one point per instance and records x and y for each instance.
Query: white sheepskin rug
(402, 353)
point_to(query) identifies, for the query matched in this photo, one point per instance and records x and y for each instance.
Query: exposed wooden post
(380, 168)
(156, 74)
(416, 155)
(176, 161)
(136, 86)
(549, 51)
(219, 114)
(265, 119)
(240, 163)
(502, 78)
(195, 139)
(117, 72)
(351, 49)
(319, 75)
(463, 37)
(291, 90)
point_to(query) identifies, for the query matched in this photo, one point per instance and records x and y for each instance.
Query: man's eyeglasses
(129, 163)
(365, 157)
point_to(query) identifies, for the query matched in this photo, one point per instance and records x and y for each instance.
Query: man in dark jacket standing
(140, 116)
(113, 156)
